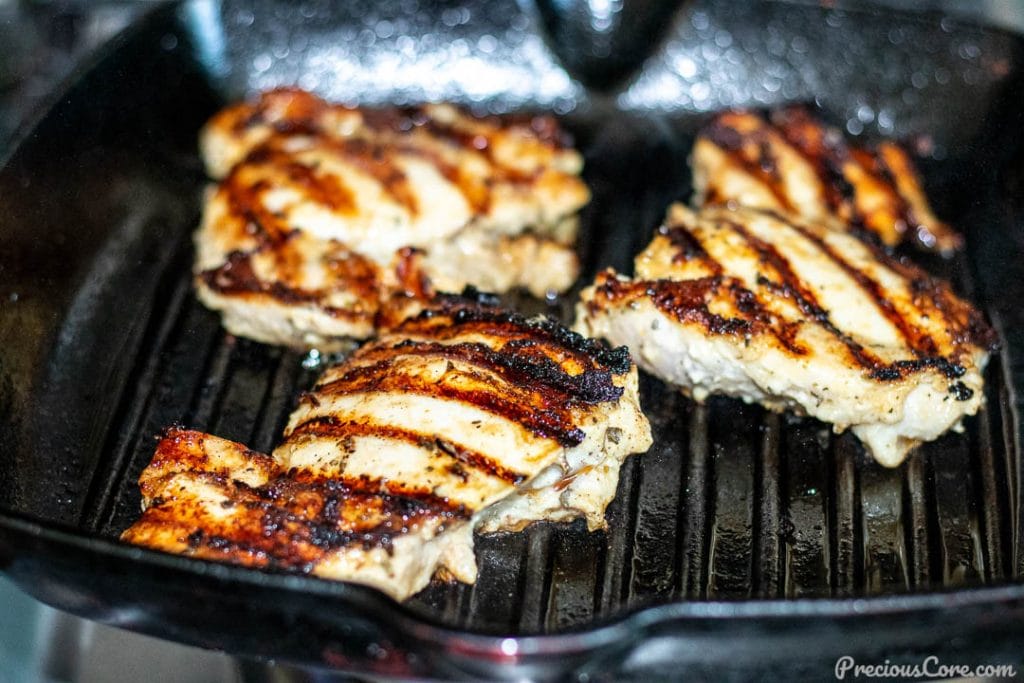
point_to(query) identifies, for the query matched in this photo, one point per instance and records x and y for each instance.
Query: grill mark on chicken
(374, 159)
(874, 189)
(451, 316)
(825, 154)
(293, 522)
(793, 288)
(687, 301)
(895, 213)
(965, 324)
(545, 416)
(762, 166)
(538, 376)
(476, 193)
(689, 248)
(238, 277)
(378, 161)
(252, 217)
(303, 118)
(479, 142)
(331, 427)
(521, 362)
(323, 189)
(919, 342)
(403, 120)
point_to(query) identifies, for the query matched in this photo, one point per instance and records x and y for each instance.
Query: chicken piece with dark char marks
(790, 162)
(460, 417)
(798, 315)
(316, 206)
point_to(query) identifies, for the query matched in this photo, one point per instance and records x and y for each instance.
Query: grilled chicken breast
(461, 417)
(790, 162)
(316, 202)
(797, 315)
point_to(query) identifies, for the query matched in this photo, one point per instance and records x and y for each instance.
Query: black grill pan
(743, 541)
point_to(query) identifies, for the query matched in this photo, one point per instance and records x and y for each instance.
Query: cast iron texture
(741, 540)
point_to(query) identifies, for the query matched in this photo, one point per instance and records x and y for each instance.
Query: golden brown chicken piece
(790, 162)
(316, 202)
(462, 417)
(797, 315)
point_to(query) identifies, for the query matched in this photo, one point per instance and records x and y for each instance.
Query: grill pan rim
(860, 606)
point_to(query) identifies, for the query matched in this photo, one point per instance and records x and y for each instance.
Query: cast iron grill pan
(714, 537)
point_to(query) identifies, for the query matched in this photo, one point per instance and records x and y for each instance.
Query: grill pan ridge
(742, 538)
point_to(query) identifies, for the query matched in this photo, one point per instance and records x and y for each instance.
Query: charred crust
(902, 368)
(467, 311)
(521, 363)
(961, 391)
(237, 277)
(329, 514)
(687, 301)
(194, 539)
